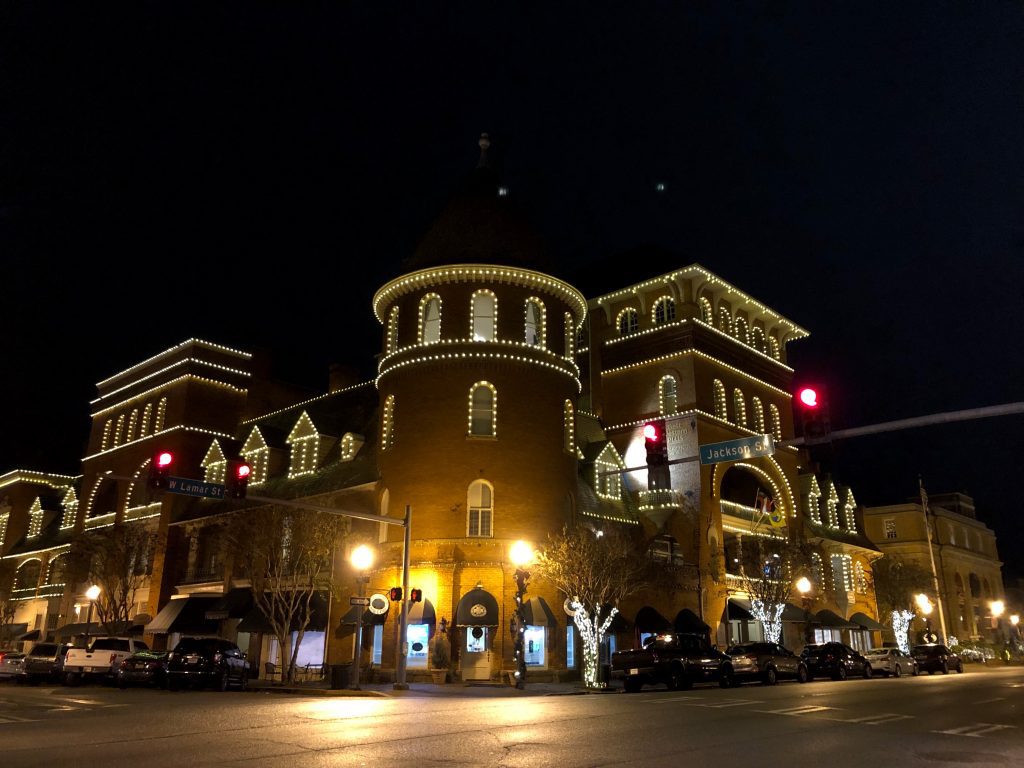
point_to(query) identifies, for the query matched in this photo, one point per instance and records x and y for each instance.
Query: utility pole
(931, 555)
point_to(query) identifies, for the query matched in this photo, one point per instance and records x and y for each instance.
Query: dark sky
(250, 173)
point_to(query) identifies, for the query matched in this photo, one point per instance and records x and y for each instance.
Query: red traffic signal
(809, 397)
(415, 595)
(236, 480)
(160, 469)
(395, 594)
(814, 416)
(655, 443)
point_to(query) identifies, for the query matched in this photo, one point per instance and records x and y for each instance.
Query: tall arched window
(133, 422)
(757, 339)
(391, 339)
(724, 320)
(483, 403)
(430, 319)
(570, 338)
(721, 404)
(832, 507)
(664, 310)
(773, 346)
(668, 395)
(755, 403)
(106, 435)
(628, 322)
(485, 315)
(387, 424)
(850, 512)
(119, 430)
(536, 323)
(776, 421)
(147, 415)
(707, 314)
(161, 413)
(740, 330)
(813, 503)
(817, 570)
(860, 579)
(739, 407)
(569, 427)
(480, 503)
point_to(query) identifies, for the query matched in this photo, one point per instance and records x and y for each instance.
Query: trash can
(341, 676)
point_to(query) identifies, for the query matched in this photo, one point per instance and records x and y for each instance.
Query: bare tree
(896, 584)
(768, 566)
(286, 555)
(118, 561)
(596, 570)
(8, 607)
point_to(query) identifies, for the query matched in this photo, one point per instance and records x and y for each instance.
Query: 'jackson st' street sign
(734, 450)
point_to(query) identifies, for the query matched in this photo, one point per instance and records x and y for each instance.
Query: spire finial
(485, 144)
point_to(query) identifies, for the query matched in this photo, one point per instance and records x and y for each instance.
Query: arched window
(668, 395)
(773, 346)
(724, 320)
(755, 403)
(483, 405)
(707, 314)
(147, 414)
(430, 319)
(814, 502)
(817, 570)
(975, 584)
(161, 413)
(133, 422)
(106, 435)
(569, 427)
(628, 322)
(570, 338)
(56, 572)
(27, 575)
(776, 421)
(721, 409)
(387, 424)
(850, 512)
(536, 323)
(739, 407)
(860, 579)
(484, 312)
(757, 339)
(480, 504)
(664, 310)
(832, 505)
(740, 330)
(119, 430)
(391, 339)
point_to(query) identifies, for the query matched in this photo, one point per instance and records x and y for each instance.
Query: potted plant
(440, 656)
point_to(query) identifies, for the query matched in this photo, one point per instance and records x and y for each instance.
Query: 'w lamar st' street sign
(734, 450)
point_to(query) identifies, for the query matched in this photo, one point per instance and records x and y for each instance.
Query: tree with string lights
(768, 569)
(896, 585)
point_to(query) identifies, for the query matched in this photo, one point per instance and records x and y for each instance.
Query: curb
(341, 692)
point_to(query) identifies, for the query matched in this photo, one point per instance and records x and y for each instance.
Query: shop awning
(649, 620)
(186, 615)
(477, 608)
(422, 613)
(791, 613)
(255, 621)
(233, 605)
(866, 622)
(11, 631)
(738, 609)
(96, 628)
(31, 636)
(688, 621)
(827, 618)
(538, 613)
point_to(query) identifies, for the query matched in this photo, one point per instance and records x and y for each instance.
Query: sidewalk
(467, 690)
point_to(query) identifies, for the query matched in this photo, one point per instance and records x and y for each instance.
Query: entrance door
(476, 655)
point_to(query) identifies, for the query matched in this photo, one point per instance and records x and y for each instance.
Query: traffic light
(236, 479)
(160, 469)
(657, 455)
(814, 417)
(415, 595)
(395, 594)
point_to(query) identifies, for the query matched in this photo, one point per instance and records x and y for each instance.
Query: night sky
(250, 173)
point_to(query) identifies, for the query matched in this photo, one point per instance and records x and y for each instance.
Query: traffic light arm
(646, 468)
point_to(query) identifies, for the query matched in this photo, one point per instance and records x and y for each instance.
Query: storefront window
(533, 639)
(311, 651)
(418, 636)
(476, 644)
(570, 648)
(378, 643)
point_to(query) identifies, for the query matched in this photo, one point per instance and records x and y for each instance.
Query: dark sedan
(932, 658)
(207, 661)
(835, 660)
(767, 662)
(143, 668)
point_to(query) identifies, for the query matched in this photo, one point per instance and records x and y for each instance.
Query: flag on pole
(775, 516)
(759, 512)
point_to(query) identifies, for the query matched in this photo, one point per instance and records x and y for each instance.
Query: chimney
(342, 376)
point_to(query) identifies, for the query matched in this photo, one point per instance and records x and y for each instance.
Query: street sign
(359, 601)
(186, 487)
(734, 450)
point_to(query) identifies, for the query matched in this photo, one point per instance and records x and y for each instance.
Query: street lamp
(361, 559)
(996, 608)
(521, 556)
(91, 594)
(925, 605)
(803, 586)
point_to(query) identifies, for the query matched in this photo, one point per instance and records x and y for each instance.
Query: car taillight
(829, 657)
(216, 658)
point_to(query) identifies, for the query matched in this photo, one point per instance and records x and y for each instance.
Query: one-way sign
(359, 601)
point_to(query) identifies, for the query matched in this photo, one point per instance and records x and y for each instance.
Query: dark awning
(255, 621)
(10, 631)
(185, 615)
(827, 618)
(738, 609)
(688, 621)
(477, 608)
(233, 605)
(791, 613)
(96, 628)
(537, 613)
(865, 621)
(31, 636)
(422, 613)
(649, 620)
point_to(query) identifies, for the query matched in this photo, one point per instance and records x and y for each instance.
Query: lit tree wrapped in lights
(896, 583)
(596, 570)
(767, 571)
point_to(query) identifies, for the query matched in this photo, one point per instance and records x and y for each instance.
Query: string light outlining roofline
(177, 348)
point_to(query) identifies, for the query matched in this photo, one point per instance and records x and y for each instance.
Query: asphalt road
(942, 720)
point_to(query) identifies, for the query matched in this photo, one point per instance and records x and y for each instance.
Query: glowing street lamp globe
(92, 592)
(803, 585)
(362, 557)
(521, 554)
(997, 608)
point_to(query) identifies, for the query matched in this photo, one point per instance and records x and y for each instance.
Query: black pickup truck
(677, 660)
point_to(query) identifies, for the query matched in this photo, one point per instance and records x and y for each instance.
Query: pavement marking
(977, 729)
(806, 709)
(79, 701)
(879, 719)
(989, 701)
(674, 698)
(5, 719)
(730, 703)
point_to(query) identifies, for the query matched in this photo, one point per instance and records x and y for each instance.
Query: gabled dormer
(69, 503)
(257, 453)
(350, 445)
(811, 492)
(308, 446)
(215, 464)
(849, 505)
(607, 473)
(37, 515)
(832, 507)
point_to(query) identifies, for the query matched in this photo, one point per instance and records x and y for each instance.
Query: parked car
(967, 653)
(143, 667)
(45, 662)
(767, 662)
(677, 660)
(12, 664)
(207, 661)
(835, 660)
(891, 661)
(101, 659)
(934, 657)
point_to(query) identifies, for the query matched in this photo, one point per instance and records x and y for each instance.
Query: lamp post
(803, 586)
(996, 608)
(521, 555)
(91, 594)
(362, 558)
(925, 605)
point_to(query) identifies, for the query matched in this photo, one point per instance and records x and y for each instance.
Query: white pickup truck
(101, 659)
